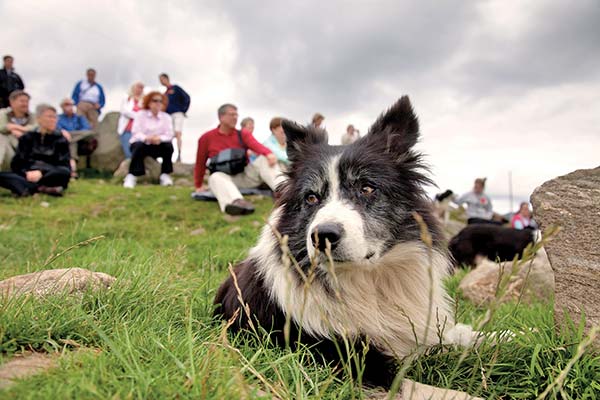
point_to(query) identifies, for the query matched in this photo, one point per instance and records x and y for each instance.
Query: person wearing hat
(479, 204)
(75, 128)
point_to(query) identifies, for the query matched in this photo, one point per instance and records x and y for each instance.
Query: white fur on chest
(399, 304)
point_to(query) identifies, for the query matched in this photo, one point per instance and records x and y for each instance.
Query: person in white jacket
(129, 108)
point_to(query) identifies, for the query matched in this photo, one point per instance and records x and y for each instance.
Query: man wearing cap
(77, 128)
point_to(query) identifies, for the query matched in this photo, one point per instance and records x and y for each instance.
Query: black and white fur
(361, 199)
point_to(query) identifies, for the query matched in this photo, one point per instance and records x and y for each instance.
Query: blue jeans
(125, 144)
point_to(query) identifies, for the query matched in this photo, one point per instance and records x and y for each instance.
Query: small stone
(231, 218)
(411, 390)
(45, 204)
(233, 230)
(198, 231)
(25, 365)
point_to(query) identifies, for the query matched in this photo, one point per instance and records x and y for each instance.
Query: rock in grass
(411, 390)
(573, 203)
(532, 280)
(71, 281)
(25, 365)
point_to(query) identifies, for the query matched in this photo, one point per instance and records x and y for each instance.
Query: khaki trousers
(89, 112)
(8, 144)
(76, 136)
(225, 187)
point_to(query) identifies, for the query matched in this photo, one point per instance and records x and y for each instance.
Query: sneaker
(239, 207)
(56, 191)
(130, 181)
(165, 180)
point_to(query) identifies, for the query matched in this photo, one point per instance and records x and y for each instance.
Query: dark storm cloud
(559, 45)
(337, 56)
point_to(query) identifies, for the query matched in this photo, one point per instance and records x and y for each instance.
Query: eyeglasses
(156, 100)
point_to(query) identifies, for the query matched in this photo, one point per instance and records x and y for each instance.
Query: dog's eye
(312, 199)
(367, 190)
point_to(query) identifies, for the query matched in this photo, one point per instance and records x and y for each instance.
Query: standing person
(179, 103)
(89, 97)
(479, 204)
(9, 81)
(15, 121)
(152, 134)
(219, 143)
(129, 109)
(277, 142)
(350, 136)
(248, 124)
(41, 162)
(78, 129)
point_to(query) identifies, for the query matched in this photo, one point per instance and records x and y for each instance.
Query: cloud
(498, 86)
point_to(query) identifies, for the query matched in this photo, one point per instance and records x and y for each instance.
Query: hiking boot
(130, 181)
(165, 180)
(239, 207)
(56, 191)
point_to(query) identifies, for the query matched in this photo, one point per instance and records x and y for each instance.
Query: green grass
(153, 335)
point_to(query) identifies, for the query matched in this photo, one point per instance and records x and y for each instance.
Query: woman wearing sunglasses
(151, 136)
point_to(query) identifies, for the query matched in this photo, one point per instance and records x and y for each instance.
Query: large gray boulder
(573, 203)
(72, 281)
(109, 153)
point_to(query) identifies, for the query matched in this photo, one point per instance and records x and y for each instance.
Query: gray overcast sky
(498, 85)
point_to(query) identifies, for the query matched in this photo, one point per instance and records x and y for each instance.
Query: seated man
(14, 122)
(78, 128)
(151, 136)
(41, 162)
(223, 185)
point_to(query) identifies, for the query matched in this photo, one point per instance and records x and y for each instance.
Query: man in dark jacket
(9, 81)
(41, 162)
(179, 103)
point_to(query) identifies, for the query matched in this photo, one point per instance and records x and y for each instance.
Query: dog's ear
(398, 127)
(299, 138)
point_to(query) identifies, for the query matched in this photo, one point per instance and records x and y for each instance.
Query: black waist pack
(230, 161)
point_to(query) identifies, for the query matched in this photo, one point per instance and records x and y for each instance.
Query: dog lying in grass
(351, 253)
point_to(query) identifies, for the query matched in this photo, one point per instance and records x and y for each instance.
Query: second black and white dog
(384, 291)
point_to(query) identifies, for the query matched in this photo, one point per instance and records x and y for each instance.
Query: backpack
(230, 161)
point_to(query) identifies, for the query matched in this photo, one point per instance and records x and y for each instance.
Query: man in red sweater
(225, 187)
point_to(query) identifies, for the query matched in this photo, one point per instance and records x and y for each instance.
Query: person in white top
(129, 109)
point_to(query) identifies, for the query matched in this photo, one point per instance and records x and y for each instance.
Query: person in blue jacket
(89, 97)
(179, 103)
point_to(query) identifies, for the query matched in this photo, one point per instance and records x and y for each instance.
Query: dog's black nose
(330, 232)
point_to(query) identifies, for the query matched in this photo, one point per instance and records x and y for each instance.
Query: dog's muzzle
(327, 232)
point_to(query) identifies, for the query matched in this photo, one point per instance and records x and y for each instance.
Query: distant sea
(501, 204)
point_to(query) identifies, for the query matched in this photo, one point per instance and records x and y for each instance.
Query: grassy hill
(152, 335)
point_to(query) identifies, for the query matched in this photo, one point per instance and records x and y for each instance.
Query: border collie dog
(492, 241)
(342, 258)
